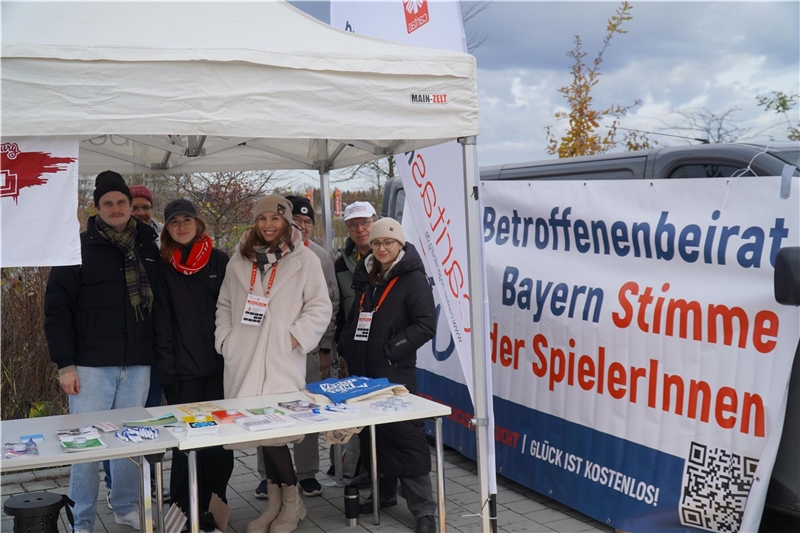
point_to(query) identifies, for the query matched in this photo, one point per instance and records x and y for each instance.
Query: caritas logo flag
(416, 14)
(39, 202)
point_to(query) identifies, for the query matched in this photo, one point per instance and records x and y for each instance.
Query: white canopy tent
(163, 88)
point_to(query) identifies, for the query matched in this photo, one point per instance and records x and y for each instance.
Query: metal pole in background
(325, 196)
(477, 321)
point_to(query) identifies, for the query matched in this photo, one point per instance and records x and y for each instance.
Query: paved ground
(519, 508)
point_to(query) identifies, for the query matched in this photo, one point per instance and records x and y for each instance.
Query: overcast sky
(688, 56)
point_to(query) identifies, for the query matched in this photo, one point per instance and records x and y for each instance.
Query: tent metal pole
(325, 196)
(477, 322)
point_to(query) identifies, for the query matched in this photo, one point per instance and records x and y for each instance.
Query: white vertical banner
(39, 202)
(433, 178)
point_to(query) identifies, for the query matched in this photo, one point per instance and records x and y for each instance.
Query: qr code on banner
(715, 488)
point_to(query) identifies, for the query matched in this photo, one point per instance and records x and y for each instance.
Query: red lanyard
(383, 296)
(271, 277)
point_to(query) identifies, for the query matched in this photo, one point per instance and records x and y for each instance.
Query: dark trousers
(214, 465)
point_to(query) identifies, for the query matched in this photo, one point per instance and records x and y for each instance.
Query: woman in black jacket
(190, 370)
(392, 289)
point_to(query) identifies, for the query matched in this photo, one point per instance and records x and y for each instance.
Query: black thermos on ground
(351, 505)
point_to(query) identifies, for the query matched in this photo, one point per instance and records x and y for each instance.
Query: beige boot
(261, 524)
(292, 512)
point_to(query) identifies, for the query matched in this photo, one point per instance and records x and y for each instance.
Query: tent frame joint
(478, 422)
(466, 141)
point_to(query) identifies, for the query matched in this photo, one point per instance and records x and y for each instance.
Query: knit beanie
(274, 203)
(108, 181)
(301, 206)
(387, 228)
(140, 191)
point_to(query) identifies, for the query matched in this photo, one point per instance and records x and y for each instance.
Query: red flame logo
(26, 169)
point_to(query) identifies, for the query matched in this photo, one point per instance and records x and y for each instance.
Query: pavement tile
(323, 511)
(331, 522)
(16, 477)
(569, 525)
(43, 484)
(245, 513)
(545, 516)
(238, 503)
(528, 526)
(524, 506)
(12, 488)
(509, 517)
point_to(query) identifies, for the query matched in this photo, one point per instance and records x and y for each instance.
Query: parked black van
(682, 162)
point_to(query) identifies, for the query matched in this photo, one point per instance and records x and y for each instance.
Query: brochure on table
(43, 432)
(334, 420)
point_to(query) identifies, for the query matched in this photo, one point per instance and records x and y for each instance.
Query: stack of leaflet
(273, 420)
(199, 425)
(80, 439)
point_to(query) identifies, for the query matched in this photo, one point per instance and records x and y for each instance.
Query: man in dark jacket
(99, 332)
(358, 218)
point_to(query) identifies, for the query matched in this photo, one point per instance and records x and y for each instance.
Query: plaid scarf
(265, 258)
(136, 281)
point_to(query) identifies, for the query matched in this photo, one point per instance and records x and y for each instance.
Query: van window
(399, 205)
(703, 171)
(790, 156)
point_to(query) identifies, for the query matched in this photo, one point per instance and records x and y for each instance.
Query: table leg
(376, 497)
(440, 476)
(145, 504)
(159, 497)
(194, 504)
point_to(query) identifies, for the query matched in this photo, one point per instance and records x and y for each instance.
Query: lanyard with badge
(365, 317)
(255, 307)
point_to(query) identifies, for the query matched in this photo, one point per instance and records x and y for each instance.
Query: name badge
(363, 325)
(254, 310)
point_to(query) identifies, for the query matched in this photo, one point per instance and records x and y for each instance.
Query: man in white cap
(358, 218)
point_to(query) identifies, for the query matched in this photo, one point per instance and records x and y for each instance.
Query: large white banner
(39, 202)
(433, 178)
(638, 345)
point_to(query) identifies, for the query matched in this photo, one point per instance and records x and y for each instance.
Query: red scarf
(198, 257)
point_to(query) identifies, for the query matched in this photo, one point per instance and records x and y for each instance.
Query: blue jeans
(153, 400)
(103, 388)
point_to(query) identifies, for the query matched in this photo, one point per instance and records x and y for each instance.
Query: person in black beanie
(190, 274)
(99, 329)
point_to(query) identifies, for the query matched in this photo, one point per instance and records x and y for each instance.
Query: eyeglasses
(352, 224)
(309, 223)
(142, 208)
(387, 244)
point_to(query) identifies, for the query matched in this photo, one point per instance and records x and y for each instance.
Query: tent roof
(188, 87)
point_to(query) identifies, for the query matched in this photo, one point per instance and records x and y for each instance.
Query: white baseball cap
(359, 210)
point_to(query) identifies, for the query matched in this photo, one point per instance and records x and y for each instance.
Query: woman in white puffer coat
(265, 352)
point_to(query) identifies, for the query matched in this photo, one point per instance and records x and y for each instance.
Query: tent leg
(483, 423)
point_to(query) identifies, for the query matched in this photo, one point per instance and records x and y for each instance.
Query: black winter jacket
(405, 321)
(184, 321)
(89, 320)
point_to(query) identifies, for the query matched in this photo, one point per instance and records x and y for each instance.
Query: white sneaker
(108, 501)
(81, 531)
(130, 519)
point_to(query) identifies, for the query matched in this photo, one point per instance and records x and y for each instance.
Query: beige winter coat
(260, 360)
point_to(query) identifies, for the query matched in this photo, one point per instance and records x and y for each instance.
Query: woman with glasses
(273, 309)
(190, 275)
(392, 316)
